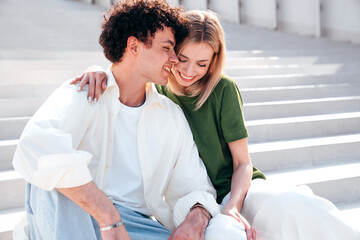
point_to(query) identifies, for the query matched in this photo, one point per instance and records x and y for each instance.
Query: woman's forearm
(240, 184)
(242, 173)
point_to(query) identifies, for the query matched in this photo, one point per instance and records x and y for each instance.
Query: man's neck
(131, 86)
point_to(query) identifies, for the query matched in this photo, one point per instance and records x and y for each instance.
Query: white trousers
(286, 213)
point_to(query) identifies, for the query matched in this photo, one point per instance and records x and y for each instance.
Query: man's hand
(234, 212)
(193, 227)
(95, 202)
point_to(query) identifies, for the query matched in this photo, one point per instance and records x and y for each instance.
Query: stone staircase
(304, 119)
(301, 103)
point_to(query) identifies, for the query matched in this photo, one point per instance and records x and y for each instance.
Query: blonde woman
(213, 107)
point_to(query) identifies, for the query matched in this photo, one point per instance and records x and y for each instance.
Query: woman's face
(194, 61)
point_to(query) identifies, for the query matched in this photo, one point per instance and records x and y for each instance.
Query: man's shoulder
(171, 109)
(65, 100)
(67, 93)
(169, 105)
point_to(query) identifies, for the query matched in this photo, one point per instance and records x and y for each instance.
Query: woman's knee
(225, 227)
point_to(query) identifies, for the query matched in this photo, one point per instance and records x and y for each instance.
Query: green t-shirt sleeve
(232, 117)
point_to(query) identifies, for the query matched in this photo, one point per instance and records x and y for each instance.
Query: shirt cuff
(63, 170)
(183, 205)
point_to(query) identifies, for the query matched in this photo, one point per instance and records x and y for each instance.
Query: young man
(100, 170)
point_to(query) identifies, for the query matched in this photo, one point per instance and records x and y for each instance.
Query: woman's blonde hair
(204, 27)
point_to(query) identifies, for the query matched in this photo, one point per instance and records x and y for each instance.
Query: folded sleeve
(189, 183)
(232, 116)
(47, 154)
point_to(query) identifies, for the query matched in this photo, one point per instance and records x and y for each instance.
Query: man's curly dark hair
(141, 19)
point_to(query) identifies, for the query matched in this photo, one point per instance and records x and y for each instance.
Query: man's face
(155, 62)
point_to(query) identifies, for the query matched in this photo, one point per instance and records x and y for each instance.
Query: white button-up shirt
(68, 143)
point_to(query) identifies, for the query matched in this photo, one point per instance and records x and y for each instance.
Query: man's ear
(133, 45)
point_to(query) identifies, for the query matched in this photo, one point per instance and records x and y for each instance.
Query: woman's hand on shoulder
(96, 77)
(234, 212)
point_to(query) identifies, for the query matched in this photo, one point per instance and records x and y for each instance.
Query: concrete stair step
(303, 107)
(242, 62)
(11, 128)
(8, 220)
(348, 52)
(16, 107)
(19, 107)
(319, 69)
(278, 129)
(294, 80)
(301, 60)
(45, 89)
(27, 90)
(252, 94)
(12, 190)
(249, 89)
(276, 155)
(336, 182)
(260, 130)
(299, 92)
(245, 84)
(300, 56)
(56, 76)
(38, 76)
(41, 54)
(49, 65)
(7, 150)
(351, 213)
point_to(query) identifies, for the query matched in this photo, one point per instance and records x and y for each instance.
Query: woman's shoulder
(225, 84)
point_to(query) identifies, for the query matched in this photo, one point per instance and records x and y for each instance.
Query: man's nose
(173, 59)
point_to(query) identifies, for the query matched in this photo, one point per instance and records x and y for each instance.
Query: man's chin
(162, 83)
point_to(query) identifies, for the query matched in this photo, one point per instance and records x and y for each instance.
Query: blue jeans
(51, 215)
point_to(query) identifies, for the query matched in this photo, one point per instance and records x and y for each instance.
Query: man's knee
(50, 213)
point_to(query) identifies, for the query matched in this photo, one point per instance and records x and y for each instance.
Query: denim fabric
(51, 215)
(139, 226)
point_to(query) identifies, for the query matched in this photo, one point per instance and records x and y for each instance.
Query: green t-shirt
(219, 121)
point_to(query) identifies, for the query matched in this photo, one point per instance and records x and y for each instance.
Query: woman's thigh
(280, 211)
(225, 227)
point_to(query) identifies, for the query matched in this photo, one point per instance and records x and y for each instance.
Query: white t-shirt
(125, 184)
